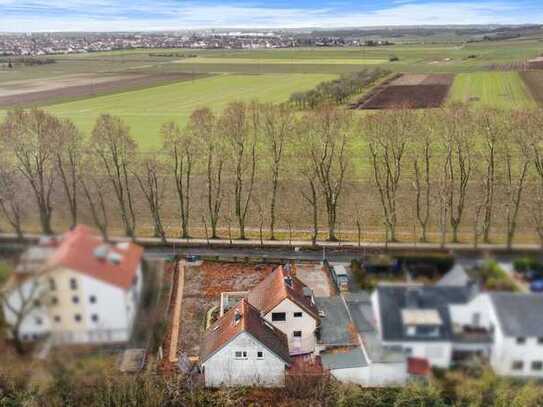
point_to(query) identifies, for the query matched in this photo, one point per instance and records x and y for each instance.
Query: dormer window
(237, 317)
(288, 281)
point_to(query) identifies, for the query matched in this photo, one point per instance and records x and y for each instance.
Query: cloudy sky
(120, 15)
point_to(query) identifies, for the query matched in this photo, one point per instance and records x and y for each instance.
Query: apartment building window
(517, 365)
(57, 318)
(52, 284)
(239, 354)
(521, 340)
(38, 321)
(94, 317)
(298, 315)
(37, 303)
(92, 299)
(54, 300)
(297, 334)
(260, 355)
(537, 365)
(73, 283)
(279, 316)
(75, 299)
(77, 317)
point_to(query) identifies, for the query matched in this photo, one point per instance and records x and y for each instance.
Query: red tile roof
(250, 321)
(77, 251)
(418, 366)
(274, 289)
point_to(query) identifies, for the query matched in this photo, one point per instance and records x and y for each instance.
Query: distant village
(37, 44)
(377, 320)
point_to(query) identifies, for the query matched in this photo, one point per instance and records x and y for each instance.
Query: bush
(393, 58)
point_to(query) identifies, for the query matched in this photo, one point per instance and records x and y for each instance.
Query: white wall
(462, 314)
(438, 353)
(306, 323)
(355, 375)
(506, 351)
(222, 369)
(385, 374)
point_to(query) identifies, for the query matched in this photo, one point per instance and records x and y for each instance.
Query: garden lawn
(504, 90)
(146, 110)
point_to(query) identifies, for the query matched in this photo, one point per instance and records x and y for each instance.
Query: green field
(449, 56)
(292, 60)
(493, 89)
(146, 110)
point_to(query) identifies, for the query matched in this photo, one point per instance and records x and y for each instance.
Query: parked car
(536, 286)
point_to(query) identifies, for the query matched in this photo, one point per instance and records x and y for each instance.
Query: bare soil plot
(202, 289)
(534, 82)
(410, 91)
(315, 277)
(46, 91)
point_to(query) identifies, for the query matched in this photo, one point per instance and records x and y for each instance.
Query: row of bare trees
(452, 166)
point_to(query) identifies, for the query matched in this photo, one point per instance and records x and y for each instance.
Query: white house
(288, 304)
(516, 322)
(84, 291)
(242, 348)
(420, 320)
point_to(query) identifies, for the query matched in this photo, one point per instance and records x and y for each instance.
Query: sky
(139, 15)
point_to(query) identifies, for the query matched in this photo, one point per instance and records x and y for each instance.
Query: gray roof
(394, 298)
(344, 359)
(519, 314)
(456, 277)
(362, 314)
(334, 326)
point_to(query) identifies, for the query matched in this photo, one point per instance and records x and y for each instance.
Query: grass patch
(146, 110)
(504, 90)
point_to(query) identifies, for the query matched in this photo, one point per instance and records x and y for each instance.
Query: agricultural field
(146, 110)
(504, 90)
(78, 86)
(534, 82)
(411, 91)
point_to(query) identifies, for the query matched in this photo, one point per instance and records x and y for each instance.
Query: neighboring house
(349, 344)
(516, 321)
(85, 290)
(419, 319)
(288, 304)
(242, 348)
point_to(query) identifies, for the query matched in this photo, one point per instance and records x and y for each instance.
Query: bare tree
(68, 162)
(95, 191)
(493, 131)
(534, 125)
(388, 136)
(181, 149)
(516, 156)
(11, 202)
(215, 157)
(31, 137)
(149, 175)
(277, 125)
(240, 132)
(457, 168)
(115, 149)
(326, 137)
(422, 160)
(19, 300)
